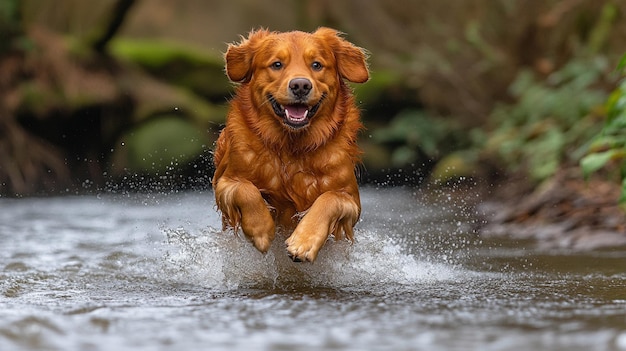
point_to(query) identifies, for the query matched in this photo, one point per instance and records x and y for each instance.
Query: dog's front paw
(260, 230)
(304, 245)
(262, 242)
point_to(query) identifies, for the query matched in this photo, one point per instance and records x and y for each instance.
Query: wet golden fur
(270, 173)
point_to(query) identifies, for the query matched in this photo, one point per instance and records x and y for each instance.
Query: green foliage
(415, 136)
(621, 66)
(551, 120)
(11, 31)
(609, 146)
(9, 15)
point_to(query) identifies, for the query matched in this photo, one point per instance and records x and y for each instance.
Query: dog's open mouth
(296, 115)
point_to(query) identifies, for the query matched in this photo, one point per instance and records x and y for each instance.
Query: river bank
(566, 211)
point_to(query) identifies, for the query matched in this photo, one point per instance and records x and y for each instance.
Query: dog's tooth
(287, 113)
(305, 114)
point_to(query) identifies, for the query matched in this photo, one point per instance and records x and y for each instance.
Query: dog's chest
(298, 180)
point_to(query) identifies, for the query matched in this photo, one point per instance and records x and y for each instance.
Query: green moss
(198, 70)
(157, 53)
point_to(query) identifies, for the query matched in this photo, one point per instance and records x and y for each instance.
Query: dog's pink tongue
(296, 112)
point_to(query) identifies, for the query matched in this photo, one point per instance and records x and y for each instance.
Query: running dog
(287, 156)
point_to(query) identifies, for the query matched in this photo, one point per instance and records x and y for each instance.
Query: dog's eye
(316, 66)
(276, 65)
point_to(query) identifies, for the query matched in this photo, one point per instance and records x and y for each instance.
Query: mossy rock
(454, 167)
(375, 156)
(158, 147)
(153, 98)
(376, 87)
(198, 70)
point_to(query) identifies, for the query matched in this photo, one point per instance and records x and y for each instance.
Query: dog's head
(294, 76)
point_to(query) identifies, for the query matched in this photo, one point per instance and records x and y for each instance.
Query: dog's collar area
(296, 116)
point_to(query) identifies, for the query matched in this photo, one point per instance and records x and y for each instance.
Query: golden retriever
(287, 155)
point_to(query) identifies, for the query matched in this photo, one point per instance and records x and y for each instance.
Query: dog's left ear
(351, 59)
(239, 56)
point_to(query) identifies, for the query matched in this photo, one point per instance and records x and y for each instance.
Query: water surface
(155, 272)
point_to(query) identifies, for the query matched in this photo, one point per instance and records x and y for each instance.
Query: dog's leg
(242, 205)
(332, 212)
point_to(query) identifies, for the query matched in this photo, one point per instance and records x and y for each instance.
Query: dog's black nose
(300, 87)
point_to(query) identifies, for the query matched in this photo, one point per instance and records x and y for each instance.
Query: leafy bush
(551, 120)
(609, 146)
(417, 137)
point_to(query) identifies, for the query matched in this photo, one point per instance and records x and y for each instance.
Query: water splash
(223, 261)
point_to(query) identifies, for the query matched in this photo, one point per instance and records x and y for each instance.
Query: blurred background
(123, 94)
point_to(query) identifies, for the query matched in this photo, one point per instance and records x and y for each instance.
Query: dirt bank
(564, 212)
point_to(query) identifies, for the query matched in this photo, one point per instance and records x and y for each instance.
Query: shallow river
(154, 272)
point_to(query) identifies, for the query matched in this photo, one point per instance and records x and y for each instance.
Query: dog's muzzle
(295, 116)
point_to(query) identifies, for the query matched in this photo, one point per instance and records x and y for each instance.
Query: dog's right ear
(239, 56)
